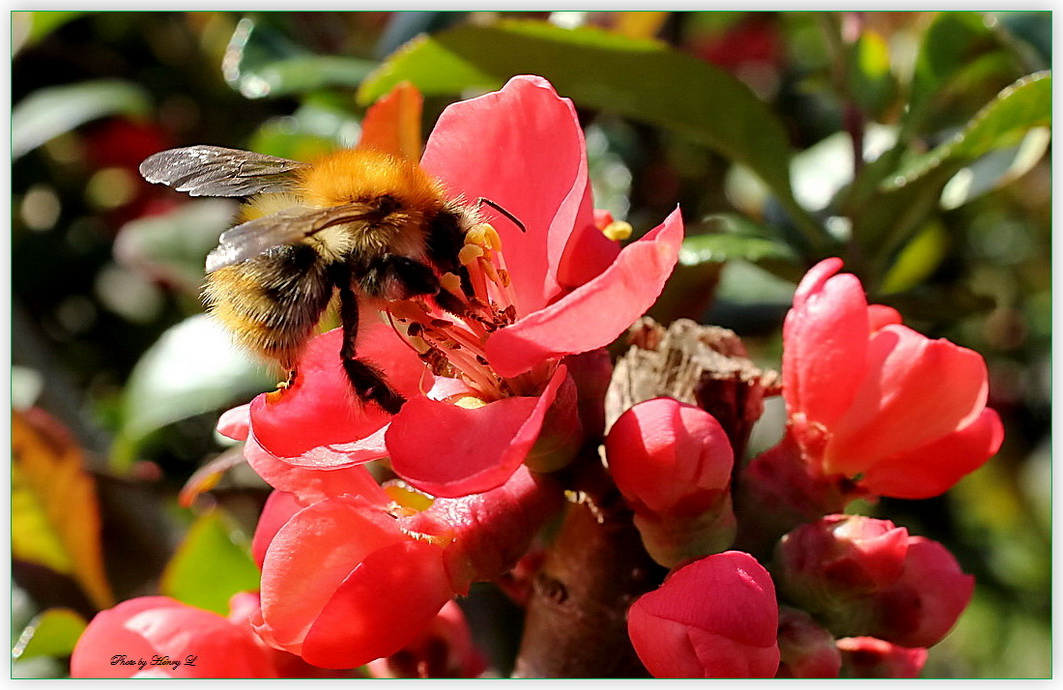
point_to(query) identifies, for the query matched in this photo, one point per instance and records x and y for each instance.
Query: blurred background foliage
(748, 120)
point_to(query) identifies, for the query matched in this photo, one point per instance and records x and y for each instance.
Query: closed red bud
(863, 576)
(669, 457)
(868, 657)
(714, 618)
(806, 649)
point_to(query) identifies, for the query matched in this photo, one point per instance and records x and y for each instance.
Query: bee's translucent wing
(284, 227)
(217, 171)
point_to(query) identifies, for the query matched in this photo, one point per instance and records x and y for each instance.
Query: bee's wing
(216, 171)
(288, 226)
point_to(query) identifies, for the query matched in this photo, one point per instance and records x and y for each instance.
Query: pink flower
(873, 400)
(495, 378)
(867, 657)
(174, 640)
(713, 618)
(346, 580)
(444, 650)
(863, 576)
(672, 463)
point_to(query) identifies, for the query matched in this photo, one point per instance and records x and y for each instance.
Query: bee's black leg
(368, 382)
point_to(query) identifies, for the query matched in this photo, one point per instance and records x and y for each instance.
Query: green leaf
(192, 369)
(38, 25)
(301, 74)
(885, 221)
(1003, 122)
(917, 260)
(871, 79)
(211, 564)
(950, 45)
(174, 245)
(640, 79)
(51, 111)
(53, 633)
(736, 237)
(316, 128)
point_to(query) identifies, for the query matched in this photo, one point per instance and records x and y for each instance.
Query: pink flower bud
(863, 576)
(714, 618)
(672, 462)
(806, 650)
(872, 400)
(841, 556)
(868, 657)
(669, 457)
(159, 636)
(443, 650)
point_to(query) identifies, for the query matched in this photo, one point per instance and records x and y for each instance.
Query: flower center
(453, 346)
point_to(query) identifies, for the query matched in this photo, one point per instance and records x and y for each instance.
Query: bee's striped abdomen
(273, 301)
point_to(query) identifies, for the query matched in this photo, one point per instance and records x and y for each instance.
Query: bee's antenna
(516, 221)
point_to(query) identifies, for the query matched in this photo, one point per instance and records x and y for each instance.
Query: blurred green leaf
(871, 80)
(917, 260)
(303, 73)
(1001, 123)
(885, 221)
(40, 24)
(53, 110)
(261, 62)
(53, 633)
(996, 169)
(950, 45)
(641, 79)
(211, 564)
(173, 247)
(316, 128)
(192, 369)
(734, 237)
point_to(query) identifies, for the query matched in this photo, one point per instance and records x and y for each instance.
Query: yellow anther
(617, 230)
(469, 253)
(469, 402)
(494, 242)
(451, 283)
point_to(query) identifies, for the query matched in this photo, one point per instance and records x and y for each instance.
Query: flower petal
(824, 341)
(521, 148)
(382, 605)
(916, 390)
(934, 468)
(594, 314)
(320, 408)
(451, 451)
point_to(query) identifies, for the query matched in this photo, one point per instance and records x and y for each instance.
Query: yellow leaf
(55, 520)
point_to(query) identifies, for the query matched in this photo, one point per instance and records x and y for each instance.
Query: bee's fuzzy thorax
(352, 175)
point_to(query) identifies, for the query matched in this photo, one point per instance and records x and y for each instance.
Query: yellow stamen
(617, 230)
(469, 253)
(451, 283)
(470, 402)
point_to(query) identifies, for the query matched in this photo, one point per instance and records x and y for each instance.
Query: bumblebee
(363, 223)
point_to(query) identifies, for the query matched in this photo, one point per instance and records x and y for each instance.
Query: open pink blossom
(714, 618)
(873, 400)
(495, 376)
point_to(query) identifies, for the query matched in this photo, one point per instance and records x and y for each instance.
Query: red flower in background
(871, 399)
(155, 627)
(560, 288)
(714, 618)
